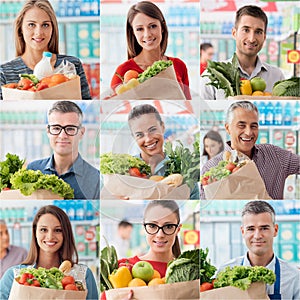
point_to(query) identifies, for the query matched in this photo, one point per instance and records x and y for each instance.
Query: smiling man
(273, 163)
(65, 131)
(249, 33)
(258, 230)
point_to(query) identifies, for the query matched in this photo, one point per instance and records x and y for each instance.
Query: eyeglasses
(167, 229)
(69, 129)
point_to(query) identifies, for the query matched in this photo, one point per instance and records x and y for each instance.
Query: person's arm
(91, 285)
(289, 161)
(207, 92)
(6, 283)
(85, 90)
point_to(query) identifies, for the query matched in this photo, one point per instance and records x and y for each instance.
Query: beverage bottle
(296, 117)
(278, 114)
(287, 118)
(269, 113)
(43, 68)
(262, 113)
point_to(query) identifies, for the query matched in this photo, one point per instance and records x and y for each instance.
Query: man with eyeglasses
(65, 131)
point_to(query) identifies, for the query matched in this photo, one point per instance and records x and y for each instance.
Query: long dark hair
(173, 207)
(215, 136)
(151, 10)
(67, 251)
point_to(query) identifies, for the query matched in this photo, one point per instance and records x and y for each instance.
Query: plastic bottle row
(63, 8)
(279, 114)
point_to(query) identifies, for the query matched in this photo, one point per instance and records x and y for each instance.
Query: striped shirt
(273, 163)
(9, 72)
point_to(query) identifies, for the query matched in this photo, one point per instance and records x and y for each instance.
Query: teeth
(50, 243)
(151, 146)
(244, 139)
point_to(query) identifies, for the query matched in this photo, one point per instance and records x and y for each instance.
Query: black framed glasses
(69, 129)
(167, 229)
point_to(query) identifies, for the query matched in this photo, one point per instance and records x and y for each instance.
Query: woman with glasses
(161, 224)
(65, 131)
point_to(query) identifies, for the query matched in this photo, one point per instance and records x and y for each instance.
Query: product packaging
(245, 184)
(139, 188)
(257, 290)
(163, 86)
(69, 90)
(36, 195)
(19, 291)
(180, 290)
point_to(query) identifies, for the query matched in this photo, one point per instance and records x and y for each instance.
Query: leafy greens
(28, 181)
(114, 163)
(8, 167)
(242, 276)
(183, 161)
(206, 269)
(184, 268)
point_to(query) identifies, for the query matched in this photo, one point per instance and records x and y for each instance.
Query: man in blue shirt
(65, 131)
(258, 230)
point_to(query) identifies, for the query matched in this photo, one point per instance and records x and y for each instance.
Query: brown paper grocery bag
(245, 184)
(188, 290)
(140, 189)
(257, 290)
(36, 195)
(163, 86)
(69, 90)
(22, 292)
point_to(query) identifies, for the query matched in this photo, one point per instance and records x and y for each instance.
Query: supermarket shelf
(77, 19)
(39, 126)
(286, 36)
(220, 219)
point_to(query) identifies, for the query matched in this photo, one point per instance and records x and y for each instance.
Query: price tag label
(191, 237)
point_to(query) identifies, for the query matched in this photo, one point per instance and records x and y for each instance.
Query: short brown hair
(253, 11)
(19, 39)
(144, 109)
(151, 10)
(68, 250)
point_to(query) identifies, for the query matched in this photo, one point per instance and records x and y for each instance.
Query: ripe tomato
(235, 169)
(41, 85)
(35, 283)
(71, 287)
(67, 280)
(206, 286)
(6, 189)
(134, 172)
(230, 166)
(126, 264)
(11, 85)
(25, 84)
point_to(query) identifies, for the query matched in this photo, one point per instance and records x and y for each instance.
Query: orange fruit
(258, 93)
(156, 281)
(56, 79)
(267, 94)
(129, 75)
(156, 274)
(136, 282)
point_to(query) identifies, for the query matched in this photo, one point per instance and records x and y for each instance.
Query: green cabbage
(185, 268)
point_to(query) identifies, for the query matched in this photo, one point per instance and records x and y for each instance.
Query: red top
(179, 67)
(203, 67)
(161, 267)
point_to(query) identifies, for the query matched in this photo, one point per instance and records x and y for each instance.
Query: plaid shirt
(273, 163)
